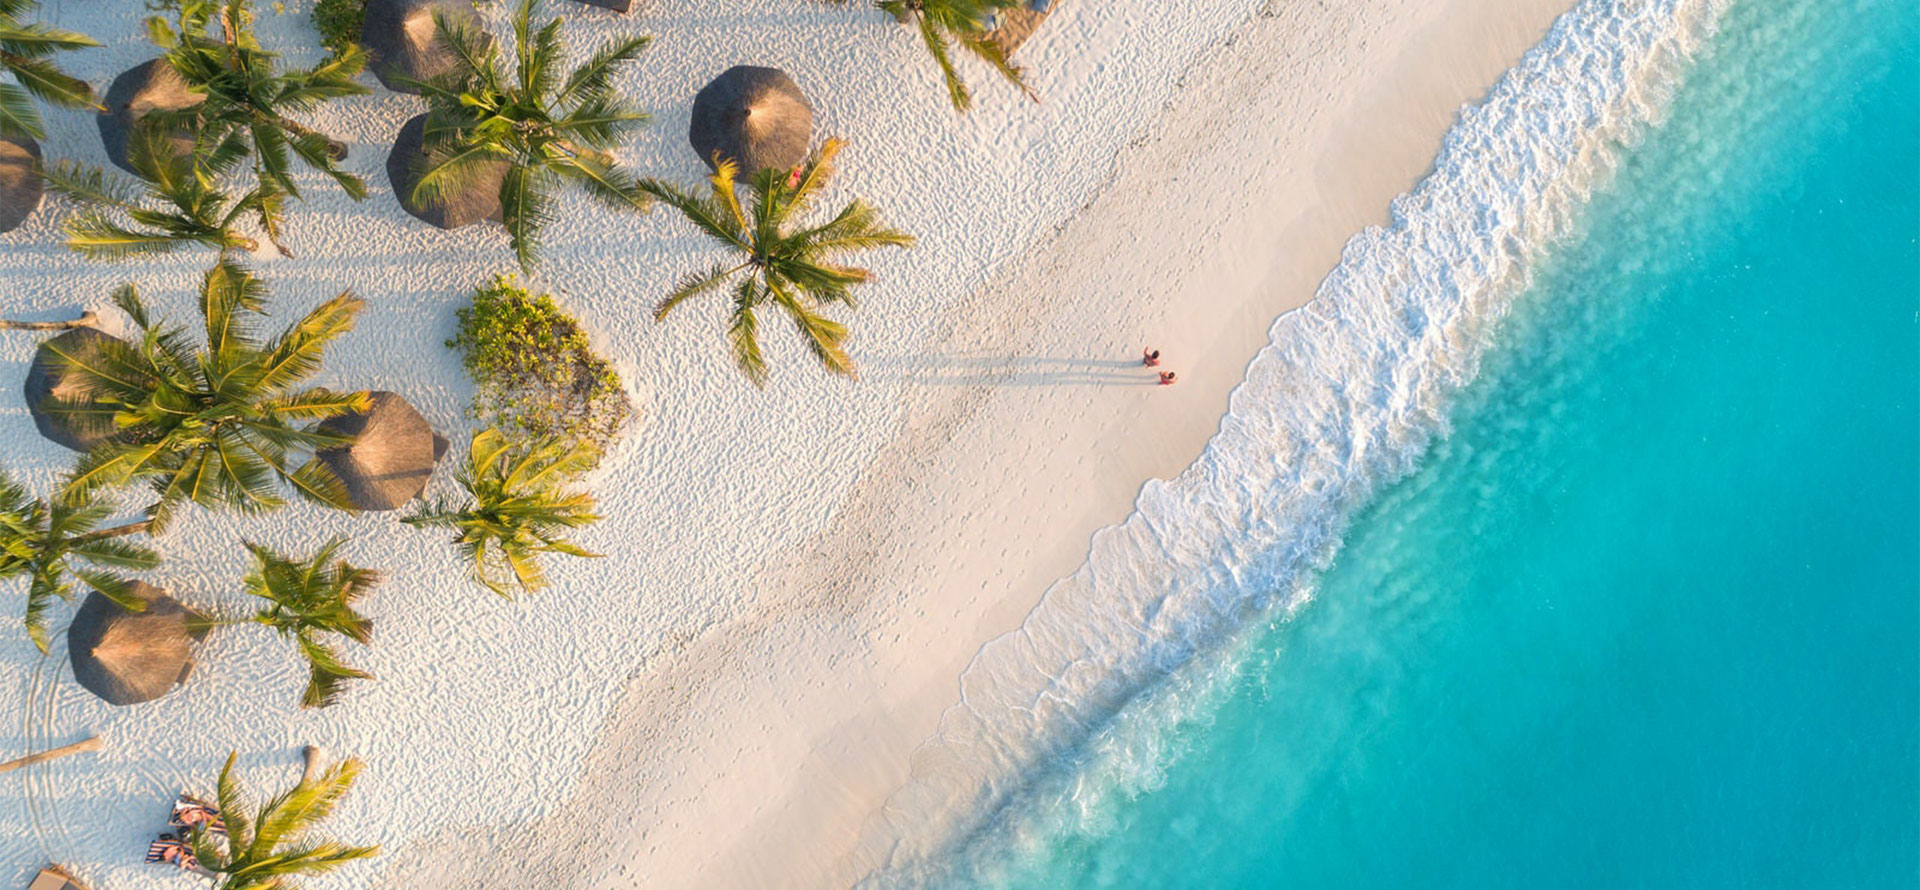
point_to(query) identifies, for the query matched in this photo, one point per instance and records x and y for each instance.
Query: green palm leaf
(178, 206)
(266, 849)
(25, 51)
(520, 503)
(941, 23)
(595, 76)
(224, 424)
(18, 117)
(795, 267)
(42, 79)
(52, 545)
(247, 100)
(525, 209)
(479, 115)
(307, 600)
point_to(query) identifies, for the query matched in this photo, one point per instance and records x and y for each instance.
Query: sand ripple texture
(484, 709)
(1344, 399)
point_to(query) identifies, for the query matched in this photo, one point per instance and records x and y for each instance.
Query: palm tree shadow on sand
(973, 369)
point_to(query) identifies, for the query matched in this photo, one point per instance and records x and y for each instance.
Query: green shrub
(533, 370)
(338, 22)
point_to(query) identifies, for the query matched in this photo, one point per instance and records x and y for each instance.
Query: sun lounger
(190, 812)
(165, 850)
(52, 878)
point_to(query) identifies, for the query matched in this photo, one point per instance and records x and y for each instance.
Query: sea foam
(1343, 400)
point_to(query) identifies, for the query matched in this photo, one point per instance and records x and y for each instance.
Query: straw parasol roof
(131, 657)
(143, 89)
(1018, 24)
(20, 187)
(615, 5)
(49, 379)
(756, 116)
(401, 39)
(480, 201)
(392, 455)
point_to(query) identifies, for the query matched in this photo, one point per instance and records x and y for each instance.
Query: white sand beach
(795, 578)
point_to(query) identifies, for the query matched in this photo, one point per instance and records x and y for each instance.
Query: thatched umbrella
(392, 454)
(20, 187)
(480, 200)
(143, 89)
(401, 39)
(755, 116)
(48, 378)
(615, 5)
(1017, 25)
(131, 657)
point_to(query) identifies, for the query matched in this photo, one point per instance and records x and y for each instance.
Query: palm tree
(520, 501)
(26, 52)
(248, 96)
(307, 599)
(265, 850)
(552, 130)
(964, 22)
(788, 265)
(40, 541)
(215, 425)
(192, 209)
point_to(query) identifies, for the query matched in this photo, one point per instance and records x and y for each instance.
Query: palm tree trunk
(87, 319)
(90, 743)
(336, 149)
(118, 531)
(314, 757)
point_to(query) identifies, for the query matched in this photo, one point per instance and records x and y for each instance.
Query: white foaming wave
(1344, 399)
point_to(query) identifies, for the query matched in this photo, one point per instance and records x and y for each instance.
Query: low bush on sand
(339, 23)
(535, 374)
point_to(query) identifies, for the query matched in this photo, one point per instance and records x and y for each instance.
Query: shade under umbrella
(392, 454)
(142, 90)
(49, 379)
(131, 657)
(20, 187)
(401, 39)
(757, 117)
(479, 200)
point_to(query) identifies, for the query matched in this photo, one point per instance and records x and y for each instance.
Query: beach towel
(171, 852)
(189, 813)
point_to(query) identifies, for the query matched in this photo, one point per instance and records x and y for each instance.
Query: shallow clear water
(1649, 614)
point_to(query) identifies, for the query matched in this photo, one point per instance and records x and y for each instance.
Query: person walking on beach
(1166, 378)
(1150, 357)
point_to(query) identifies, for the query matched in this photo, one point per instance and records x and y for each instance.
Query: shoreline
(798, 577)
(829, 686)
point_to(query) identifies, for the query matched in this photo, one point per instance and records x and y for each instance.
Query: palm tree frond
(18, 118)
(525, 209)
(743, 332)
(594, 78)
(936, 42)
(694, 285)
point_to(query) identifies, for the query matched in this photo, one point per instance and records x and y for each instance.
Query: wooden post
(87, 319)
(314, 754)
(90, 743)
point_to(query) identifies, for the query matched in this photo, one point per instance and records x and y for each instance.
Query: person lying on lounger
(168, 849)
(190, 814)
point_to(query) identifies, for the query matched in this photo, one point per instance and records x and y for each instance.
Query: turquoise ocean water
(1648, 614)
